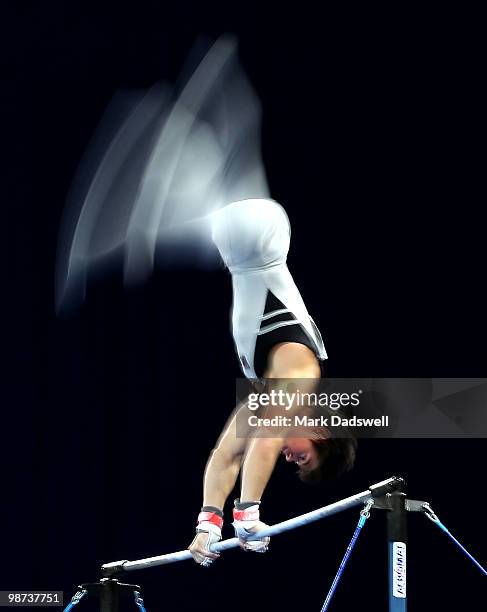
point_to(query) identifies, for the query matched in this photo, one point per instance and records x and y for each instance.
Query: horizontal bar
(389, 485)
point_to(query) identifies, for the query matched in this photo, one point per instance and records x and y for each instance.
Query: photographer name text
(322, 421)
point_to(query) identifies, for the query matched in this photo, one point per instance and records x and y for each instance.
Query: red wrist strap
(246, 515)
(210, 517)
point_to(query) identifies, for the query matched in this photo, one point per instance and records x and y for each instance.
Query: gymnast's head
(322, 459)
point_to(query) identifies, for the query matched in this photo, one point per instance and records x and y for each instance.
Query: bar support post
(397, 546)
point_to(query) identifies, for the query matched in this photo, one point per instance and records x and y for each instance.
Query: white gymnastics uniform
(253, 239)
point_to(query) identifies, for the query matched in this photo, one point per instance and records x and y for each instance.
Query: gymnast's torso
(253, 238)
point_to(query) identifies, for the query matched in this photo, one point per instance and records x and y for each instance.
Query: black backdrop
(371, 136)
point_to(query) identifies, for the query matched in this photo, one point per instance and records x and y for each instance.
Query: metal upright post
(397, 544)
(109, 592)
(109, 596)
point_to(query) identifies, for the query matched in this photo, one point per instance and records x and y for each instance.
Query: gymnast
(204, 153)
(275, 339)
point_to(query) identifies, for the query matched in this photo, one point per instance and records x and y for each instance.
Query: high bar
(374, 491)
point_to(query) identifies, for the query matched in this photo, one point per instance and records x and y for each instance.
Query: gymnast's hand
(246, 522)
(208, 532)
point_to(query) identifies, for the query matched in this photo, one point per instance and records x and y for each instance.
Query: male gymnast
(275, 338)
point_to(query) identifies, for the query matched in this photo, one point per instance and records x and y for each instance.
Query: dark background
(371, 141)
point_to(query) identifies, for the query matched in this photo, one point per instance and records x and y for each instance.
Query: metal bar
(391, 484)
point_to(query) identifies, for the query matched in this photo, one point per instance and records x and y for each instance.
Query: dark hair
(335, 455)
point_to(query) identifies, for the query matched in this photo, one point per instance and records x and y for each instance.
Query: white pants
(253, 238)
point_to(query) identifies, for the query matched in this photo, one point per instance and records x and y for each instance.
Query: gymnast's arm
(224, 463)
(260, 460)
(221, 474)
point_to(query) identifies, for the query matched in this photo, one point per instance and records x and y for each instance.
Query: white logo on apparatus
(399, 569)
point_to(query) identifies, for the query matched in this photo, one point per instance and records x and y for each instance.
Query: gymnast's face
(302, 452)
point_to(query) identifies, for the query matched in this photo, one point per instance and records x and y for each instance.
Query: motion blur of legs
(160, 162)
